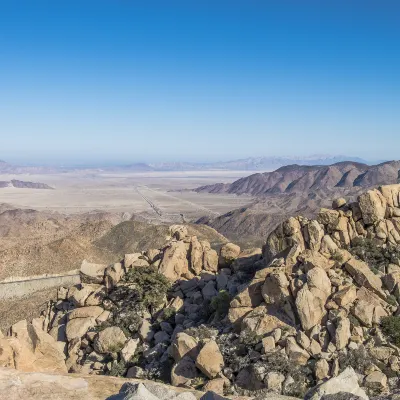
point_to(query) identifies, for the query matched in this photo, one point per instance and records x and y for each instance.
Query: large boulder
(346, 382)
(263, 320)
(174, 263)
(183, 372)
(77, 327)
(373, 206)
(210, 360)
(35, 350)
(184, 345)
(92, 273)
(363, 275)
(109, 340)
(196, 256)
(228, 254)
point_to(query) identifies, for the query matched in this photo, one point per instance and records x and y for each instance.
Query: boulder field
(313, 314)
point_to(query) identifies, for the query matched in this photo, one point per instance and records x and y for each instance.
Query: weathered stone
(342, 333)
(345, 296)
(249, 295)
(6, 354)
(275, 289)
(346, 382)
(112, 275)
(78, 294)
(274, 381)
(314, 232)
(196, 256)
(129, 349)
(92, 273)
(364, 312)
(376, 380)
(109, 340)
(85, 312)
(262, 322)
(312, 259)
(184, 345)
(382, 353)
(77, 328)
(35, 350)
(309, 308)
(174, 263)
(183, 372)
(236, 315)
(246, 259)
(130, 259)
(210, 360)
(268, 344)
(178, 232)
(321, 369)
(373, 206)
(362, 274)
(295, 353)
(338, 203)
(228, 254)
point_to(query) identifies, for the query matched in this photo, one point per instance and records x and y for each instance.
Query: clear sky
(121, 80)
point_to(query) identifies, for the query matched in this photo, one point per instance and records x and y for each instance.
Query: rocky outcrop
(300, 314)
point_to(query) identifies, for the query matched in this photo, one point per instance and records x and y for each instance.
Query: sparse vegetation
(220, 304)
(391, 328)
(117, 369)
(359, 359)
(150, 286)
(377, 256)
(249, 338)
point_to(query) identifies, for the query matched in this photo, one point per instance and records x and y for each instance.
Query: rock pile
(302, 313)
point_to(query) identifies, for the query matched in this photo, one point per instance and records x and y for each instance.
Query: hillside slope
(302, 179)
(34, 242)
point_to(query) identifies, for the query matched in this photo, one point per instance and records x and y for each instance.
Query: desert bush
(359, 359)
(392, 300)
(202, 332)
(220, 304)
(378, 257)
(249, 337)
(150, 286)
(391, 328)
(117, 369)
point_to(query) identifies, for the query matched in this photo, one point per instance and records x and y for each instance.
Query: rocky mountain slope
(314, 314)
(248, 226)
(305, 179)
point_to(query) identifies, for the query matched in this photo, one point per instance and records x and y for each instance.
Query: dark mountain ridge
(303, 178)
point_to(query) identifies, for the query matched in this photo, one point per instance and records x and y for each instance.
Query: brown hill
(302, 179)
(34, 242)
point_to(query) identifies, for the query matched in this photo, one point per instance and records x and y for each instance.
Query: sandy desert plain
(153, 195)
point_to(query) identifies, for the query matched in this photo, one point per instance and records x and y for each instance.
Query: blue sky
(119, 80)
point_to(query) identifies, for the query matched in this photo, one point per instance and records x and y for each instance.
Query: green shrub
(249, 338)
(117, 369)
(392, 300)
(376, 256)
(150, 286)
(359, 359)
(391, 328)
(220, 304)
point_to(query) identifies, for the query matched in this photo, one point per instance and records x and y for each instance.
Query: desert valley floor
(154, 195)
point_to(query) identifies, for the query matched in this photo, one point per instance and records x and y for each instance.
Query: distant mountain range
(23, 185)
(303, 179)
(246, 164)
(255, 163)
